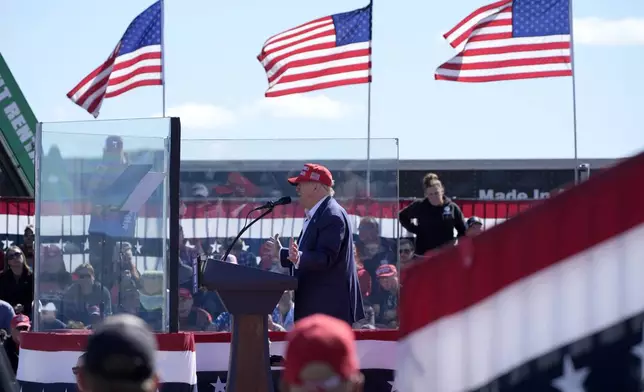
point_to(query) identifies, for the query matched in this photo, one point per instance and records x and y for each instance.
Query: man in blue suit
(322, 259)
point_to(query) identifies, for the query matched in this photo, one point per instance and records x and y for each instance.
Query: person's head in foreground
(120, 357)
(321, 356)
(313, 184)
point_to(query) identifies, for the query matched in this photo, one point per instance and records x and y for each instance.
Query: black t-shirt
(435, 224)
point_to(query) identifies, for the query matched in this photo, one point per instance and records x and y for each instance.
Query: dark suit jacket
(326, 274)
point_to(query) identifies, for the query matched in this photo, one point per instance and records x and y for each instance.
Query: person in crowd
(192, 318)
(76, 370)
(364, 278)
(17, 282)
(188, 257)
(407, 252)
(6, 315)
(27, 245)
(19, 323)
(121, 356)
(48, 318)
(282, 317)
(374, 250)
(53, 277)
(94, 317)
(369, 321)
(75, 325)
(321, 355)
(474, 226)
(386, 303)
(244, 257)
(82, 294)
(322, 259)
(436, 216)
(108, 222)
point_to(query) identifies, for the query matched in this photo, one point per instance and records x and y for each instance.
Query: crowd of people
(82, 298)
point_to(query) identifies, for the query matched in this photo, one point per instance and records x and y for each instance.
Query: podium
(249, 295)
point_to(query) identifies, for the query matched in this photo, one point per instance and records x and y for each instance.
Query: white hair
(330, 191)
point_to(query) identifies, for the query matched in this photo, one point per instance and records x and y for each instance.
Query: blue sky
(216, 85)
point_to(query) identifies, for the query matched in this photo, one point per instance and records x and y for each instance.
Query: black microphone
(272, 204)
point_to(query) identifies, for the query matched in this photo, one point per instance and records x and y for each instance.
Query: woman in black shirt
(437, 217)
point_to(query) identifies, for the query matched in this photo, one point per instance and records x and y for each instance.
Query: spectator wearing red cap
(321, 355)
(322, 259)
(385, 301)
(19, 323)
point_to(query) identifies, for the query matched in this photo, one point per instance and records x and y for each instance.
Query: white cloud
(598, 31)
(304, 106)
(203, 116)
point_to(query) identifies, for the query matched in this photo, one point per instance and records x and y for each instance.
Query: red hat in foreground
(312, 172)
(325, 340)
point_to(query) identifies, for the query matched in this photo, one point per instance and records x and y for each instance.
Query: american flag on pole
(135, 62)
(509, 40)
(327, 52)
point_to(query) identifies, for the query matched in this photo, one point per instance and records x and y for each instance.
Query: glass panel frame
(140, 185)
(223, 179)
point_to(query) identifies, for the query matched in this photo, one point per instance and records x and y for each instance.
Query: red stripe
(77, 341)
(312, 48)
(135, 72)
(320, 60)
(468, 33)
(108, 63)
(134, 60)
(516, 48)
(324, 72)
(318, 86)
(475, 14)
(489, 37)
(571, 222)
(496, 78)
(507, 63)
(486, 209)
(140, 83)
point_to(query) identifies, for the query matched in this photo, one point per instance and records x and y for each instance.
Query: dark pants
(101, 254)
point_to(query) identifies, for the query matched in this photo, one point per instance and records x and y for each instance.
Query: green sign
(17, 126)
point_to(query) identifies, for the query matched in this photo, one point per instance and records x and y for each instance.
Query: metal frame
(172, 264)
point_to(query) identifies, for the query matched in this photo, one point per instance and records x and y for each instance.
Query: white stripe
(320, 80)
(141, 51)
(102, 79)
(56, 366)
(134, 67)
(509, 56)
(317, 53)
(498, 43)
(476, 20)
(373, 354)
(146, 76)
(298, 29)
(504, 70)
(285, 42)
(322, 66)
(77, 225)
(576, 298)
(492, 30)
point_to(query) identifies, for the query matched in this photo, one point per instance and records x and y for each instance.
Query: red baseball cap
(312, 172)
(320, 338)
(386, 270)
(20, 320)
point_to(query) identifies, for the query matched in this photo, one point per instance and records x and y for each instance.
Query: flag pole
(574, 91)
(163, 57)
(369, 103)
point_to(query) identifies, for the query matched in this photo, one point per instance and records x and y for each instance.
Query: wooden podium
(249, 295)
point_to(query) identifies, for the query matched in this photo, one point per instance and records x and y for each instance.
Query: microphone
(272, 204)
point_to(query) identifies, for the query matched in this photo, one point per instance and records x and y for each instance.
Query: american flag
(511, 39)
(135, 62)
(327, 52)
